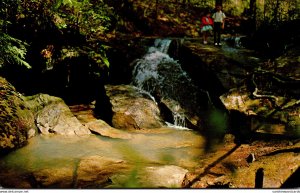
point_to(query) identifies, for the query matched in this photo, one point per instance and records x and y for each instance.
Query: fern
(12, 51)
(70, 3)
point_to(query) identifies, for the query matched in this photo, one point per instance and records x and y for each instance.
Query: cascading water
(162, 76)
(235, 42)
(162, 45)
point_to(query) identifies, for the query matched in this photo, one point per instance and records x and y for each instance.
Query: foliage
(15, 119)
(90, 17)
(87, 18)
(12, 51)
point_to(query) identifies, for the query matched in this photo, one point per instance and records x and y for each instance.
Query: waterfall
(235, 42)
(162, 45)
(238, 42)
(160, 75)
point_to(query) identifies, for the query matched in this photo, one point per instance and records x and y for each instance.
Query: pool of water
(165, 146)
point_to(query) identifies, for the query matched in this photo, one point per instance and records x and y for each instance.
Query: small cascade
(238, 42)
(162, 45)
(162, 76)
(235, 42)
(179, 120)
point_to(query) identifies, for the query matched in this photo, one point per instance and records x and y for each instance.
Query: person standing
(206, 26)
(219, 23)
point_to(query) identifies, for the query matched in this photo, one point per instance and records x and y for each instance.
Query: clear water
(182, 146)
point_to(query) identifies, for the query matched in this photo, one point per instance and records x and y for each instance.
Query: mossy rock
(16, 120)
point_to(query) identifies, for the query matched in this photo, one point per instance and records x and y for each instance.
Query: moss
(15, 119)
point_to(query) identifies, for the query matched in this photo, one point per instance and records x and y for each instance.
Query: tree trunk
(253, 15)
(156, 9)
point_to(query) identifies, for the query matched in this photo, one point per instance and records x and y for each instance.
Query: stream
(162, 147)
(172, 150)
(149, 157)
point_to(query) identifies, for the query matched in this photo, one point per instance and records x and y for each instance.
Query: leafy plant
(12, 51)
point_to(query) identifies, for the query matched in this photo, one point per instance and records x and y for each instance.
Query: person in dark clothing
(219, 23)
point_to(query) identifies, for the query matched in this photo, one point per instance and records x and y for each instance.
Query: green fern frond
(12, 51)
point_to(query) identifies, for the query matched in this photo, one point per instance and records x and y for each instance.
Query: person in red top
(206, 26)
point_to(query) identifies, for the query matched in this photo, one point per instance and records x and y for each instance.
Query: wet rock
(10, 178)
(16, 120)
(163, 77)
(54, 178)
(173, 112)
(95, 171)
(167, 176)
(54, 116)
(102, 128)
(133, 109)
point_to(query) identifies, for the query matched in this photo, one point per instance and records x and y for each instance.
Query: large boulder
(54, 116)
(266, 113)
(133, 109)
(217, 69)
(16, 120)
(260, 95)
(270, 99)
(163, 77)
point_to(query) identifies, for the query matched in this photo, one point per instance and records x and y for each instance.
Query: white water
(147, 77)
(162, 45)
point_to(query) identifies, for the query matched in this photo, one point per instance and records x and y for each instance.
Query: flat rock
(95, 171)
(102, 128)
(168, 176)
(54, 178)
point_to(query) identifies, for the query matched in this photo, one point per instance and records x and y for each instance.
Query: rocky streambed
(48, 144)
(106, 157)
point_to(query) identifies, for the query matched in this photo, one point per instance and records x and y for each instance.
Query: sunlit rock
(54, 116)
(54, 178)
(102, 128)
(132, 108)
(167, 176)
